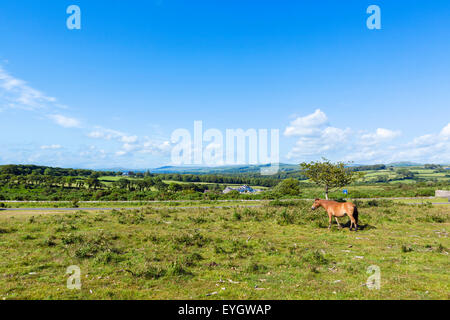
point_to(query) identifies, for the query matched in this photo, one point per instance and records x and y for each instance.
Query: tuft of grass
(440, 248)
(4, 230)
(50, 241)
(437, 218)
(237, 216)
(177, 269)
(191, 259)
(28, 237)
(191, 240)
(406, 248)
(315, 258)
(148, 272)
(254, 267)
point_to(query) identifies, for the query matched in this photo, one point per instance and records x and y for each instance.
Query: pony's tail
(355, 214)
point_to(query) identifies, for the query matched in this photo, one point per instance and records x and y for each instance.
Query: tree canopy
(329, 175)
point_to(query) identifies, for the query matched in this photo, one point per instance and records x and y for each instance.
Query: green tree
(93, 183)
(174, 187)
(405, 174)
(329, 175)
(290, 187)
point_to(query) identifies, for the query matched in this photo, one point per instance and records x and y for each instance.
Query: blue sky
(112, 93)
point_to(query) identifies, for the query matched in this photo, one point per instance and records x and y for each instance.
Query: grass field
(420, 172)
(109, 179)
(280, 251)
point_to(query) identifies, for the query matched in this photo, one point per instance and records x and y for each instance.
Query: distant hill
(285, 169)
(404, 164)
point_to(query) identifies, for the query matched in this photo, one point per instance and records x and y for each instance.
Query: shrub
(406, 248)
(50, 241)
(288, 187)
(237, 216)
(3, 230)
(75, 204)
(285, 218)
(441, 248)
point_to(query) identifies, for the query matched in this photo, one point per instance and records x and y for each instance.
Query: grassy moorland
(280, 251)
(127, 205)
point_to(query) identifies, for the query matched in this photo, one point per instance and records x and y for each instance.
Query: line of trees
(24, 170)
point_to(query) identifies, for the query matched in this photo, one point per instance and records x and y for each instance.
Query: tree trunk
(326, 192)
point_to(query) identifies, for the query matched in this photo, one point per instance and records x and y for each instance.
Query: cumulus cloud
(434, 147)
(315, 135)
(317, 138)
(308, 125)
(380, 135)
(446, 131)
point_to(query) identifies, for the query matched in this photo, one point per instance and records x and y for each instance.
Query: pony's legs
(353, 223)
(337, 221)
(329, 220)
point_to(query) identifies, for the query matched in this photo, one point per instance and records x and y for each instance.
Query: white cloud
(316, 139)
(315, 136)
(381, 135)
(109, 134)
(16, 93)
(429, 148)
(121, 153)
(51, 147)
(308, 125)
(131, 143)
(129, 139)
(96, 135)
(64, 121)
(446, 131)
(425, 140)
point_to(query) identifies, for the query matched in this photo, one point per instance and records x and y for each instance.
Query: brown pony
(338, 209)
